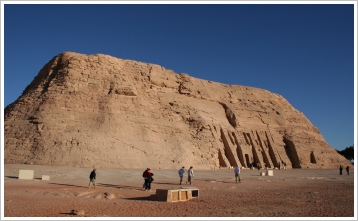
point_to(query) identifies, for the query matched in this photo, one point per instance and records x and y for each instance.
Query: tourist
(92, 178)
(144, 185)
(181, 174)
(251, 166)
(347, 169)
(148, 178)
(279, 165)
(190, 175)
(284, 165)
(340, 169)
(258, 166)
(237, 174)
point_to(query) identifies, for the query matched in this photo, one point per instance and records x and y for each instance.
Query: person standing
(190, 175)
(147, 179)
(258, 166)
(144, 172)
(347, 169)
(340, 169)
(181, 174)
(279, 165)
(237, 174)
(92, 178)
(284, 165)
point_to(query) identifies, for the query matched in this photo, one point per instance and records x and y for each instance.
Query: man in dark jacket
(147, 179)
(92, 178)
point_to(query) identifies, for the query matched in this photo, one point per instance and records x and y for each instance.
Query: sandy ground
(119, 193)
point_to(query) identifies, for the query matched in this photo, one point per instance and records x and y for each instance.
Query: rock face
(85, 110)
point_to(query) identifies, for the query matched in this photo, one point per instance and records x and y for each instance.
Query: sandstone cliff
(84, 110)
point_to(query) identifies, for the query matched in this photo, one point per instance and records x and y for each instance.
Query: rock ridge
(84, 110)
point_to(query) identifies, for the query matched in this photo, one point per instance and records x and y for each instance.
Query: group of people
(341, 169)
(148, 177)
(258, 166)
(190, 175)
(279, 165)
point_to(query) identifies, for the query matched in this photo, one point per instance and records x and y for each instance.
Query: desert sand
(119, 193)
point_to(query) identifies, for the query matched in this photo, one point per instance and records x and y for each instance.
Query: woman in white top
(190, 174)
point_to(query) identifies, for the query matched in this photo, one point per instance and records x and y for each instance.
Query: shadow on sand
(65, 184)
(119, 186)
(12, 177)
(70, 214)
(142, 198)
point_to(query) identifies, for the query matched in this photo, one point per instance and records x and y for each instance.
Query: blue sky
(304, 52)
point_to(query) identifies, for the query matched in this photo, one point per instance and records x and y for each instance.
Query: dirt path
(289, 193)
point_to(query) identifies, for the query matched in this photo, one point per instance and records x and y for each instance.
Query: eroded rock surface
(84, 110)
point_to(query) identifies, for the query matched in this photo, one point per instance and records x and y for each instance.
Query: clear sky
(304, 52)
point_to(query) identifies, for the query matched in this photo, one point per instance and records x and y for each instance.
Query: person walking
(190, 175)
(347, 169)
(237, 174)
(148, 179)
(181, 174)
(340, 169)
(92, 178)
